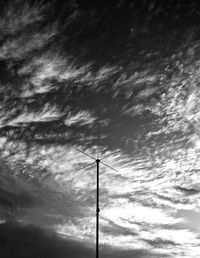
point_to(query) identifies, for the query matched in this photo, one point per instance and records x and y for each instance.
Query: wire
(109, 166)
(86, 166)
(85, 154)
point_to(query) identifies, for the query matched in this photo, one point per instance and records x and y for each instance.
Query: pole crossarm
(108, 166)
(87, 166)
(85, 154)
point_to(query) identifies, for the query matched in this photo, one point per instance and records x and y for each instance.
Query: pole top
(97, 160)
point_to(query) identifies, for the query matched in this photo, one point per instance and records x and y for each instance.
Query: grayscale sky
(134, 66)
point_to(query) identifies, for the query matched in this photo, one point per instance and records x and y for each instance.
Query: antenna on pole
(98, 139)
(97, 161)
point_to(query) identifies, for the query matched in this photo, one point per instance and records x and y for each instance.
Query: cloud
(146, 99)
(18, 15)
(22, 31)
(52, 64)
(48, 113)
(32, 202)
(82, 118)
(30, 241)
(188, 191)
(19, 48)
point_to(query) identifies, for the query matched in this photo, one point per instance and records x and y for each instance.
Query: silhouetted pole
(97, 211)
(97, 160)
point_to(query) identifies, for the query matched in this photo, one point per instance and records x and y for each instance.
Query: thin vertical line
(98, 139)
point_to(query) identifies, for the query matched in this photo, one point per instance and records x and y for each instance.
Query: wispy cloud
(48, 113)
(18, 15)
(147, 103)
(82, 118)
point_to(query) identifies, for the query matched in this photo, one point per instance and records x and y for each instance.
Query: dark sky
(132, 66)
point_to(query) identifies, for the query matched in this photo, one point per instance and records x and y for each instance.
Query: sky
(131, 66)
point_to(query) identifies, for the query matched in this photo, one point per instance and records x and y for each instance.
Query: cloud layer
(60, 75)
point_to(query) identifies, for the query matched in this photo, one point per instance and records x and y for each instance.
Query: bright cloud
(52, 94)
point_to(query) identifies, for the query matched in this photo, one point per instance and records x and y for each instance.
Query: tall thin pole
(97, 211)
(97, 196)
(97, 160)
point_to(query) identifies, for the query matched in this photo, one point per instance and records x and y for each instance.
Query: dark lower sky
(132, 66)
